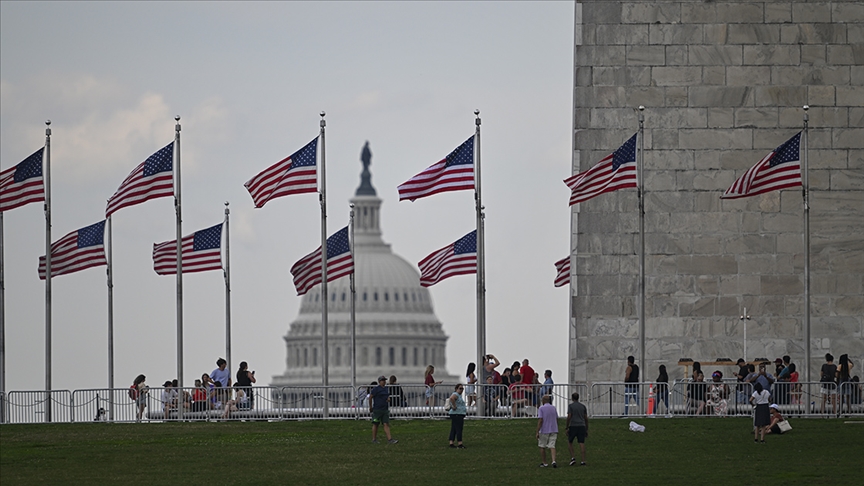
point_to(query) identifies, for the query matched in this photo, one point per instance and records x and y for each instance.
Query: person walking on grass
(457, 413)
(577, 427)
(547, 429)
(380, 409)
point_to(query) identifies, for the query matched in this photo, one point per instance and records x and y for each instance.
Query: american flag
(563, 267)
(307, 270)
(151, 179)
(779, 169)
(616, 171)
(459, 258)
(202, 251)
(454, 173)
(296, 174)
(80, 249)
(22, 184)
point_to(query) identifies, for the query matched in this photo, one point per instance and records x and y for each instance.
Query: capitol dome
(397, 332)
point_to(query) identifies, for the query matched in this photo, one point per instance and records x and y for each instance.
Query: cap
(774, 406)
(382, 378)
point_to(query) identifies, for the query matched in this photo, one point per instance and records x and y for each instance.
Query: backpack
(133, 392)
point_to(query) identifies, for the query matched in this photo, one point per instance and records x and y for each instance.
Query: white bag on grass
(636, 427)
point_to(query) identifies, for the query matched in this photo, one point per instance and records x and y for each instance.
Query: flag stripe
(296, 174)
(138, 187)
(307, 270)
(28, 189)
(70, 255)
(202, 260)
(563, 276)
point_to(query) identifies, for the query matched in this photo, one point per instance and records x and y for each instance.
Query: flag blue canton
(91, 235)
(625, 153)
(306, 155)
(209, 238)
(462, 155)
(337, 244)
(29, 167)
(161, 161)
(466, 244)
(790, 151)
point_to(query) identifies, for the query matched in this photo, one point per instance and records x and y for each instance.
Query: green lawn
(671, 451)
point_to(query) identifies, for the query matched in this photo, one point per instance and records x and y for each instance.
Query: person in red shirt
(527, 372)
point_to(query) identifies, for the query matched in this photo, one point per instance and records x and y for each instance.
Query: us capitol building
(397, 332)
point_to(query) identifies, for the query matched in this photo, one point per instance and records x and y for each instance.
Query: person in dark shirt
(397, 395)
(380, 409)
(661, 390)
(696, 394)
(577, 427)
(631, 386)
(490, 396)
(741, 388)
(245, 379)
(829, 385)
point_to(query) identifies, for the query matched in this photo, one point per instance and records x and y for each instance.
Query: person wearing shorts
(380, 408)
(547, 429)
(577, 427)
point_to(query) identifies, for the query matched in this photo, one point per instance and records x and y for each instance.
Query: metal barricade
(3, 413)
(36, 407)
(619, 399)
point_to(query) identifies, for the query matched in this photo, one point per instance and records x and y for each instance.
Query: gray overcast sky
(249, 80)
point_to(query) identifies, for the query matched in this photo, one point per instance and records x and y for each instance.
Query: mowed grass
(671, 451)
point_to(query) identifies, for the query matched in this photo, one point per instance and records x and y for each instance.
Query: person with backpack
(138, 393)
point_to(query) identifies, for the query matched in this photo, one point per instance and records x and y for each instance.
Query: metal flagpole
(110, 274)
(323, 199)
(481, 263)
(2, 326)
(179, 214)
(352, 330)
(805, 191)
(641, 193)
(47, 179)
(227, 273)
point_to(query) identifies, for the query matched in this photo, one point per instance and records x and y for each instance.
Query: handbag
(784, 426)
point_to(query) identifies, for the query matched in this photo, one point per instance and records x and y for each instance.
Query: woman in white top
(471, 381)
(762, 417)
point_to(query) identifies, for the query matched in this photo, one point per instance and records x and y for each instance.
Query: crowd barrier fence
(681, 398)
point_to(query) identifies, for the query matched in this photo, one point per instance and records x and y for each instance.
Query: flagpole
(2, 326)
(641, 193)
(323, 199)
(179, 277)
(47, 179)
(227, 274)
(481, 262)
(805, 193)
(110, 274)
(353, 336)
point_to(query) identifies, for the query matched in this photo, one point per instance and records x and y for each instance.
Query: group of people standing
(516, 386)
(213, 391)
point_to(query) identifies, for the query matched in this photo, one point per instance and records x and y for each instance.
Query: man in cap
(380, 408)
